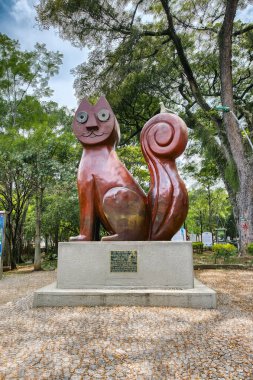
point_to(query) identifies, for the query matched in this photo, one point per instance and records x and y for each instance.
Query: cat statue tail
(163, 139)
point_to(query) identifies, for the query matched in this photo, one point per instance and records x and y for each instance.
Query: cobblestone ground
(127, 342)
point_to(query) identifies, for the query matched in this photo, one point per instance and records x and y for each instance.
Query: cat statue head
(96, 124)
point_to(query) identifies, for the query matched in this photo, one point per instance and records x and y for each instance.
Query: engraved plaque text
(123, 261)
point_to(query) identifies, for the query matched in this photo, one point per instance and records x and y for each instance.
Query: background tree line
(38, 153)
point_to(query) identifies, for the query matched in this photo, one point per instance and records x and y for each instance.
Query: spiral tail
(163, 139)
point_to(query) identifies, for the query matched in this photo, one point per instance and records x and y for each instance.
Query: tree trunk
(37, 254)
(56, 238)
(244, 197)
(19, 242)
(20, 236)
(201, 225)
(13, 248)
(245, 214)
(13, 262)
(46, 244)
(7, 242)
(209, 199)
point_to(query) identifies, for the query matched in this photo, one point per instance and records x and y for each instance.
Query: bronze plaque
(123, 261)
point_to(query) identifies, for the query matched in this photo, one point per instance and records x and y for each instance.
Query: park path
(18, 284)
(127, 342)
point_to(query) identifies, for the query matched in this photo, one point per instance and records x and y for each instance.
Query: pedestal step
(198, 297)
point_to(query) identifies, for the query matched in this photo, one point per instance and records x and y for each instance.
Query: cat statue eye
(82, 117)
(103, 115)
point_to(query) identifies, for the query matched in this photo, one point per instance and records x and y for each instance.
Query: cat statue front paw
(79, 238)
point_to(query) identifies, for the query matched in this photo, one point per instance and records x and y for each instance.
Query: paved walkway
(127, 342)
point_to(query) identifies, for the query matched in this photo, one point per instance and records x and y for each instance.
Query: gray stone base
(93, 274)
(160, 264)
(199, 297)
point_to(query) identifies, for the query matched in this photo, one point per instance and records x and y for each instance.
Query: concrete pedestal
(159, 265)
(161, 274)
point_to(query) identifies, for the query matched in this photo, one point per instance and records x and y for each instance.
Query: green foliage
(61, 212)
(134, 161)
(250, 248)
(21, 71)
(28, 132)
(225, 251)
(209, 208)
(48, 264)
(197, 247)
(134, 104)
(54, 153)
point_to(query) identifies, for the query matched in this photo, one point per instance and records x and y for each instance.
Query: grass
(46, 265)
(49, 264)
(204, 258)
(207, 257)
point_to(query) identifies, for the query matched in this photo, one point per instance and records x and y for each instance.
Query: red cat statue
(108, 194)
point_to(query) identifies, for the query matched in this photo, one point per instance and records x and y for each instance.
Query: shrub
(250, 248)
(208, 248)
(197, 247)
(224, 251)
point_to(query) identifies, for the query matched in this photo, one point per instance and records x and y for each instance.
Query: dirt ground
(151, 343)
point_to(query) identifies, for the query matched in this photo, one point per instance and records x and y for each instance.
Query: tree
(195, 55)
(133, 158)
(209, 204)
(24, 80)
(15, 192)
(52, 154)
(59, 216)
(209, 209)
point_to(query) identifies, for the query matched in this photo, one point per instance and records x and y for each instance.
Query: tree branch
(129, 138)
(244, 30)
(134, 13)
(143, 33)
(158, 48)
(200, 29)
(183, 58)
(250, 86)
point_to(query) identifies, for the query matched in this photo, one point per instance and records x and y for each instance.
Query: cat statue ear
(103, 103)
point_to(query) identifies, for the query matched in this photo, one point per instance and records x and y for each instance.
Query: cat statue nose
(92, 128)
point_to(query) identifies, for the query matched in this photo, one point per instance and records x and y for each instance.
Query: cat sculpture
(108, 193)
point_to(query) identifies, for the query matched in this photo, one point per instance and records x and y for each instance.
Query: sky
(17, 20)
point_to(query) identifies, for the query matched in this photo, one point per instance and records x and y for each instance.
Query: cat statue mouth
(93, 134)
